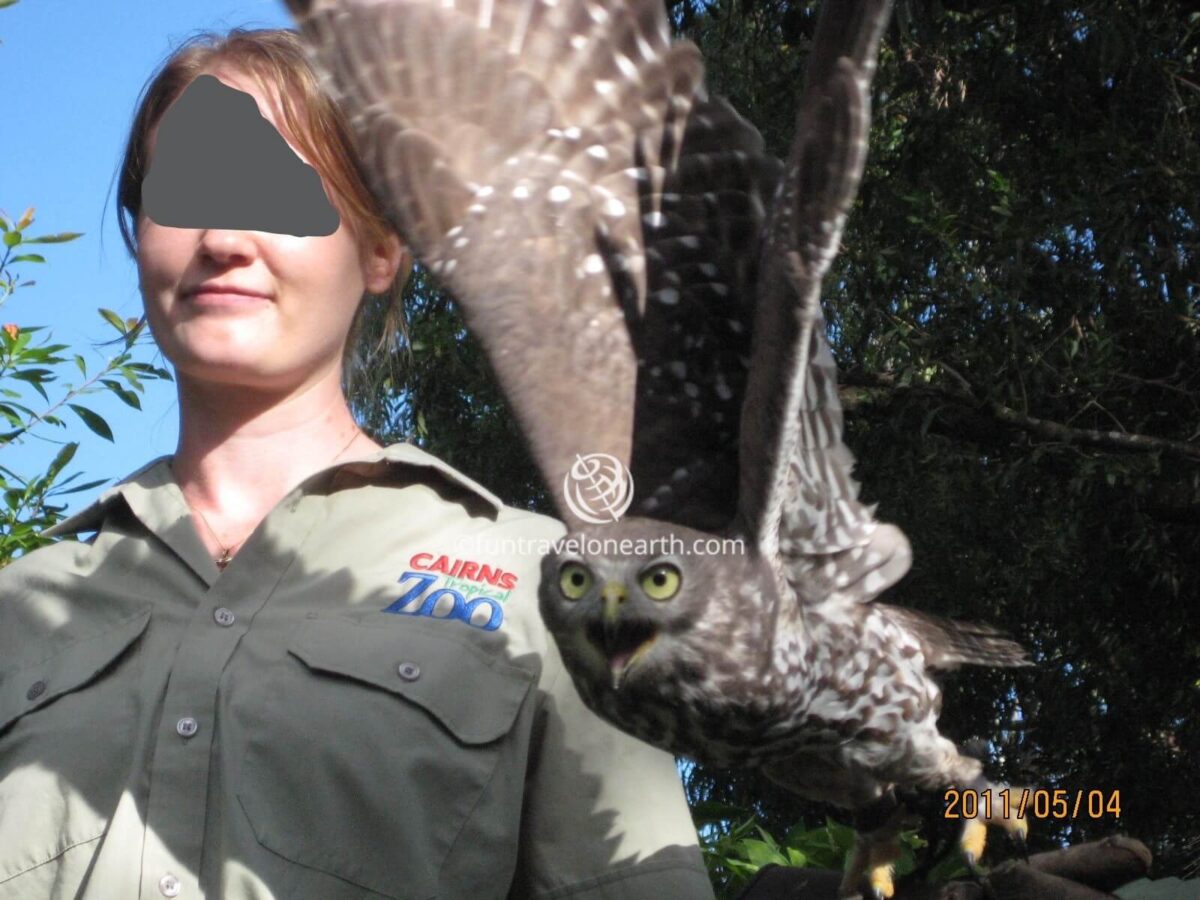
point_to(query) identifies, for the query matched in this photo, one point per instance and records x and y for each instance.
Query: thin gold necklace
(226, 554)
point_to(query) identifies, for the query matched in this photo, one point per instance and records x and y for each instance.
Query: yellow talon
(880, 879)
(973, 840)
(1019, 827)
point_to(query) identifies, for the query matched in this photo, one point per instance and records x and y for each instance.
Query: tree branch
(852, 395)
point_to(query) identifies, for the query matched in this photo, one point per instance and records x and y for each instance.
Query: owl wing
(519, 145)
(601, 222)
(797, 498)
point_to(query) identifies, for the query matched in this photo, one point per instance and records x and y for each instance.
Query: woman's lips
(222, 297)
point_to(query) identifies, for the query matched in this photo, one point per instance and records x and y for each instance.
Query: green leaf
(82, 365)
(128, 397)
(796, 858)
(92, 421)
(28, 257)
(65, 455)
(12, 238)
(130, 375)
(60, 238)
(761, 853)
(34, 378)
(80, 487)
(113, 319)
(6, 3)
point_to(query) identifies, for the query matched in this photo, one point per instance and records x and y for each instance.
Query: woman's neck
(241, 452)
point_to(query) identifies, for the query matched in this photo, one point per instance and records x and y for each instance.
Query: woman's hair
(311, 120)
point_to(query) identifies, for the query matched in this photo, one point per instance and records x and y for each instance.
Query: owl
(645, 280)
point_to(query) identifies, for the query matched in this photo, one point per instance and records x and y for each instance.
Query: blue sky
(70, 72)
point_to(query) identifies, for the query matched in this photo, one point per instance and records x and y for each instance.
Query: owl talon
(880, 885)
(974, 834)
(1019, 843)
(971, 843)
(869, 874)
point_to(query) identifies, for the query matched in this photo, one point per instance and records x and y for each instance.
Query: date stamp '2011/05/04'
(1040, 803)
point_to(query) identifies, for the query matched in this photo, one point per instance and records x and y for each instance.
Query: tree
(29, 505)
(35, 364)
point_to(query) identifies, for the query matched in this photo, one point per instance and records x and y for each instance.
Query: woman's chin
(263, 373)
(229, 369)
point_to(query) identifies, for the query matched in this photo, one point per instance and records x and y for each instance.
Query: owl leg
(871, 865)
(993, 808)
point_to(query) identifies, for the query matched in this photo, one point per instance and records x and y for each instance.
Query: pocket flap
(473, 692)
(28, 686)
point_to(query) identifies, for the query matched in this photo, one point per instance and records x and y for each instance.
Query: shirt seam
(57, 853)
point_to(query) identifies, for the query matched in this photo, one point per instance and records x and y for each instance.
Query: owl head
(631, 604)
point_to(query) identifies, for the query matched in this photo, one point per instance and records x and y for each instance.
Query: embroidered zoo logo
(452, 598)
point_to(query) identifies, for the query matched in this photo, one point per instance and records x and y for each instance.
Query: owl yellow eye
(574, 580)
(661, 582)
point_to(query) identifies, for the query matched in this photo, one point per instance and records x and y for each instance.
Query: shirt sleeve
(605, 815)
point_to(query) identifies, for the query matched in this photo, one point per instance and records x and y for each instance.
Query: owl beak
(624, 642)
(614, 596)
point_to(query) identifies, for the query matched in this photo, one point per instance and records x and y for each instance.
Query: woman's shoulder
(61, 602)
(501, 515)
(41, 564)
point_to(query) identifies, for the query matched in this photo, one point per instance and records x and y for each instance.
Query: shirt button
(224, 616)
(187, 726)
(169, 885)
(35, 690)
(409, 671)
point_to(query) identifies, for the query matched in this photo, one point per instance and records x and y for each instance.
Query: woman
(293, 663)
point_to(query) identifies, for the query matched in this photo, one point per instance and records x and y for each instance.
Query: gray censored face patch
(218, 163)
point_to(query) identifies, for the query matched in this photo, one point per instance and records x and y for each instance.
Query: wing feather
(798, 499)
(508, 138)
(604, 225)
(947, 644)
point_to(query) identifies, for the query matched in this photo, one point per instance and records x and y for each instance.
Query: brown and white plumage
(645, 280)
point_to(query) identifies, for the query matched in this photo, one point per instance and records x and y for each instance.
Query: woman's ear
(383, 260)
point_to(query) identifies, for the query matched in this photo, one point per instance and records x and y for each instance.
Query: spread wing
(623, 247)
(519, 145)
(797, 497)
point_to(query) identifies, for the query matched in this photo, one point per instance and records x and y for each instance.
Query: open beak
(623, 641)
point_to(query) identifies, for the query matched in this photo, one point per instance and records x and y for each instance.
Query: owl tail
(948, 644)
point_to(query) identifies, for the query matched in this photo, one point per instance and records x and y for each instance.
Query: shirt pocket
(66, 731)
(373, 746)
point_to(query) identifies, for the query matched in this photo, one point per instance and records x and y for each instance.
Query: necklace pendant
(223, 559)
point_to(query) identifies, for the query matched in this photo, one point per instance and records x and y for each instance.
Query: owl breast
(838, 683)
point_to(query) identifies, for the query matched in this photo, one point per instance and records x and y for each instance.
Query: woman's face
(252, 308)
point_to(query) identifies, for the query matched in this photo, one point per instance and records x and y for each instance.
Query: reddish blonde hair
(309, 117)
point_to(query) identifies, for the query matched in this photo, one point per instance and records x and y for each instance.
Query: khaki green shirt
(363, 704)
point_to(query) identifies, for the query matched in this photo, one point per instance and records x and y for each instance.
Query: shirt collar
(157, 473)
